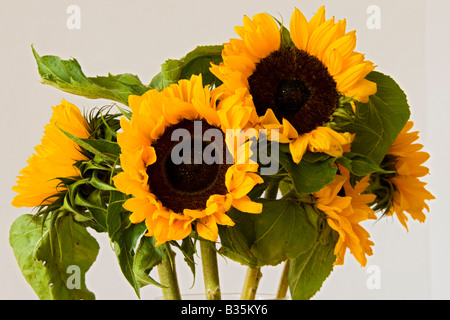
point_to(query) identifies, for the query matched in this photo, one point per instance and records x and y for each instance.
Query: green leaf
(237, 240)
(24, 235)
(124, 236)
(54, 263)
(124, 246)
(188, 249)
(379, 121)
(199, 61)
(170, 74)
(282, 231)
(196, 62)
(146, 258)
(359, 165)
(309, 270)
(308, 177)
(67, 76)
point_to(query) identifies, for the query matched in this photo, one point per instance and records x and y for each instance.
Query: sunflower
(174, 196)
(296, 78)
(38, 183)
(345, 208)
(408, 194)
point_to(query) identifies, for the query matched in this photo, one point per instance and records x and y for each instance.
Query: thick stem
(168, 276)
(210, 270)
(252, 278)
(284, 282)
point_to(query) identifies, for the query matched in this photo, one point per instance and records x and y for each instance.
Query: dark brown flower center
(296, 86)
(186, 181)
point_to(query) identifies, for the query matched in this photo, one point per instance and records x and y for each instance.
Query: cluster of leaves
(290, 228)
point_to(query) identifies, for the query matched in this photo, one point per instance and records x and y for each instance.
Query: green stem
(210, 270)
(252, 278)
(254, 275)
(284, 282)
(168, 276)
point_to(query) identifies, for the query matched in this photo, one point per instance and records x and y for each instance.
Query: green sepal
(106, 150)
(116, 214)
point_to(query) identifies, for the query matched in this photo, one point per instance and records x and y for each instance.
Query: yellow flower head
(55, 157)
(410, 193)
(296, 87)
(345, 208)
(172, 196)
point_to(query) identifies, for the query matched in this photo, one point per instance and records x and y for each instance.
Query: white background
(412, 46)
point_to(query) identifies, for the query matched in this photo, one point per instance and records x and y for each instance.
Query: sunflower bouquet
(270, 149)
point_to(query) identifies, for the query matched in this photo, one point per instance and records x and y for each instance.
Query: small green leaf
(124, 246)
(188, 249)
(146, 258)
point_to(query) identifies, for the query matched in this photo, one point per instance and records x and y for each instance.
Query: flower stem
(284, 282)
(168, 275)
(210, 270)
(252, 278)
(254, 275)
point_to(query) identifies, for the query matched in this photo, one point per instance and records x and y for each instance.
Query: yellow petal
(245, 204)
(207, 228)
(317, 20)
(299, 30)
(298, 147)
